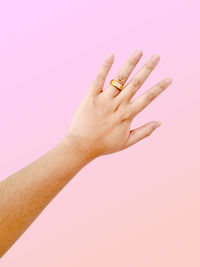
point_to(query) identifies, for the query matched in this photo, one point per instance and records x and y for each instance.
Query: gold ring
(117, 84)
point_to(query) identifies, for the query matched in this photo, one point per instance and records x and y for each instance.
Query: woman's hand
(101, 123)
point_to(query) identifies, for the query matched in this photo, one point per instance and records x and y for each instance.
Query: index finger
(99, 80)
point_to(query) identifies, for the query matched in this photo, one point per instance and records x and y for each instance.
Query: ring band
(117, 84)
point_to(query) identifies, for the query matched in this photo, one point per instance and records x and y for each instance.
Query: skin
(100, 126)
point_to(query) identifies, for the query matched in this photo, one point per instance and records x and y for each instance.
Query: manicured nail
(138, 53)
(157, 124)
(168, 80)
(155, 58)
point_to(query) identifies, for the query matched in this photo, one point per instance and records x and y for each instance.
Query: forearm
(26, 193)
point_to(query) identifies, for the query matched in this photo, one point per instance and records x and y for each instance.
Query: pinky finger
(99, 80)
(142, 132)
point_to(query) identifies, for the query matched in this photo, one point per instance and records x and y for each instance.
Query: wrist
(78, 147)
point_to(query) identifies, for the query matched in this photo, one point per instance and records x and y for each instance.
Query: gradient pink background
(139, 207)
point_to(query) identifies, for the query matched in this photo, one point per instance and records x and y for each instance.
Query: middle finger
(140, 77)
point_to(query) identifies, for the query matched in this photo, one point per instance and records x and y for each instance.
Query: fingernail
(157, 124)
(155, 58)
(168, 80)
(138, 53)
(109, 57)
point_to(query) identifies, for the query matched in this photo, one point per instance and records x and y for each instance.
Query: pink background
(139, 207)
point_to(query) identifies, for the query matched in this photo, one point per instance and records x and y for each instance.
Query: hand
(101, 123)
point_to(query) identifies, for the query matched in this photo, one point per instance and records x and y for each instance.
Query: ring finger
(124, 72)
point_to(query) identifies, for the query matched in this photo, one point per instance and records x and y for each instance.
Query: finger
(143, 100)
(142, 132)
(124, 72)
(139, 78)
(99, 80)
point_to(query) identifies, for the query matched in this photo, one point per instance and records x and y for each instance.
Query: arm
(100, 126)
(24, 194)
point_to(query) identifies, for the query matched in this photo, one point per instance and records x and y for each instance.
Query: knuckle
(131, 62)
(137, 83)
(150, 96)
(149, 66)
(100, 77)
(148, 132)
(121, 78)
(106, 64)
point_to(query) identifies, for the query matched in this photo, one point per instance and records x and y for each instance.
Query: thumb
(141, 132)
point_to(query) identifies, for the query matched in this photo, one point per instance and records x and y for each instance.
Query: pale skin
(100, 126)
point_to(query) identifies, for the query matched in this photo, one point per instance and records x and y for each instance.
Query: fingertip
(110, 57)
(168, 80)
(156, 124)
(155, 58)
(138, 53)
